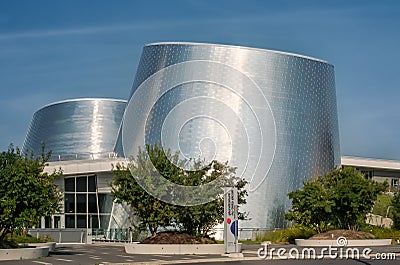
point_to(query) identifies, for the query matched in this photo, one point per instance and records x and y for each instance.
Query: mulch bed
(172, 237)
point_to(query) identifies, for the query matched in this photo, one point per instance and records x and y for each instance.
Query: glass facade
(84, 207)
(271, 114)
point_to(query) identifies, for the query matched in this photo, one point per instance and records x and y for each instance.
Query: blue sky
(55, 50)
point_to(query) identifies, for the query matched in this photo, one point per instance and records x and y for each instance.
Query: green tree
(396, 211)
(200, 219)
(153, 213)
(26, 192)
(341, 198)
(150, 212)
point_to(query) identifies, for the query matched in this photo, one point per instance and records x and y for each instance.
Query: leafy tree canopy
(341, 199)
(26, 192)
(396, 210)
(153, 213)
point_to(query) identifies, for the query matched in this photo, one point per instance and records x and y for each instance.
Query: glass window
(93, 221)
(92, 183)
(104, 221)
(81, 203)
(105, 203)
(57, 221)
(81, 221)
(70, 221)
(81, 184)
(92, 204)
(69, 203)
(47, 222)
(395, 183)
(69, 184)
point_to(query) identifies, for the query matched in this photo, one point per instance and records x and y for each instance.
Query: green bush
(287, 235)
(27, 239)
(12, 240)
(396, 211)
(382, 233)
(8, 244)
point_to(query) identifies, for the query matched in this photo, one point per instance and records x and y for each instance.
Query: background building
(271, 114)
(380, 170)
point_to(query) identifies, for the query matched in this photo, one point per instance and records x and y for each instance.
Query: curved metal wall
(271, 114)
(76, 129)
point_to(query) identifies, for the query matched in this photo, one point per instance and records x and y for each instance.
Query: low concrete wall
(23, 253)
(350, 243)
(175, 249)
(67, 235)
(50, 245)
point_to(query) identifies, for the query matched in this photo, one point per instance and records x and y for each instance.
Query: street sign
(231, 227)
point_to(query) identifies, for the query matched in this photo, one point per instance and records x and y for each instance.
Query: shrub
(340, 199)
(21, 238)
(382, 233)
(287, 235)
(8, 244)
(12, 240)
(396, 210)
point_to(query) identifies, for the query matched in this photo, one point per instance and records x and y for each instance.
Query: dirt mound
(348, 234)
(177, 238)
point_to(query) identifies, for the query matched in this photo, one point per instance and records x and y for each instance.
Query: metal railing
(82, 156)
(245, 233)
(113, 235)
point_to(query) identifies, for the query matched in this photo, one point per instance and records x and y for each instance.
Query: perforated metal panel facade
(271, 114)
(76, 129)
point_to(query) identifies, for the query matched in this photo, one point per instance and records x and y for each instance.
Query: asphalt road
(312, 262)
(111, 253)
(99, 254)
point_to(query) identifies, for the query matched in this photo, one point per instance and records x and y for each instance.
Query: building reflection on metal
(271, 114)
(76, 129)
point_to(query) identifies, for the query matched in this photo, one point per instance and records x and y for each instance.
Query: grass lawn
(381, 205)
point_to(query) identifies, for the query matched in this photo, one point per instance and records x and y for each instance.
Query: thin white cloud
(72, 31)
(146, 25)
(131, 26)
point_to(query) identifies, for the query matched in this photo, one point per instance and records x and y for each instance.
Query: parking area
(100, 254)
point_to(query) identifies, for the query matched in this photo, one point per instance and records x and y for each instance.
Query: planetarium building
(270, 114)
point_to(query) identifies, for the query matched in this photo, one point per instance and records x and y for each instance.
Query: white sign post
(231, 227)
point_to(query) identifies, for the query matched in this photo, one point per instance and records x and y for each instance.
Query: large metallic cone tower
(271, 114)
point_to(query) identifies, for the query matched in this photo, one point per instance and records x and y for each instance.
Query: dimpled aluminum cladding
(76, 129)
(271, 114)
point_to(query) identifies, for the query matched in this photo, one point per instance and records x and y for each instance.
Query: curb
(23, 253)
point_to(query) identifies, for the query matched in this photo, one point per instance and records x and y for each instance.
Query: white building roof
(76, 167)
(371, 163)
